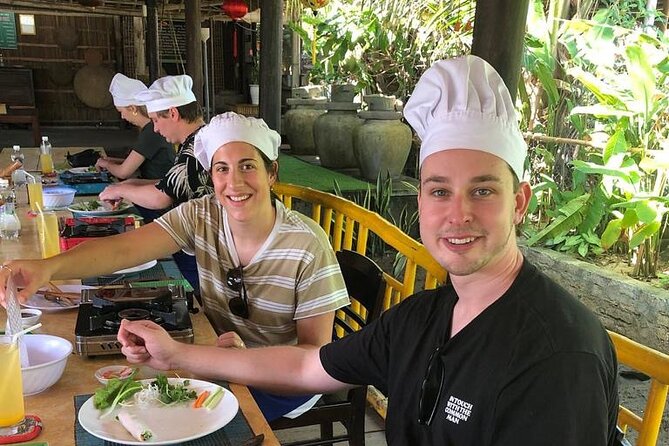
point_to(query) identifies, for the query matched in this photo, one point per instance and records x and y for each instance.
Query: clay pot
(333, 135)
(381, 145)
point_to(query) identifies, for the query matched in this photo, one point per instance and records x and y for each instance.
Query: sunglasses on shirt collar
(431, 388)
(239, 306)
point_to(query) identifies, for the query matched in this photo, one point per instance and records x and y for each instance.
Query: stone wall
(627, 306)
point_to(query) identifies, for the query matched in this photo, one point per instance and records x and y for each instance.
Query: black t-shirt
(158, 153)
(534, 368)
(187, 178)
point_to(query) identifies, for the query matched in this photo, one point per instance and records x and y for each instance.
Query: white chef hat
(123, 89)
(230, 127)
(167, 92)
(463, 103)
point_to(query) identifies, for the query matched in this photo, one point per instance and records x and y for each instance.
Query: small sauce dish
(104, 374)
(30, 316)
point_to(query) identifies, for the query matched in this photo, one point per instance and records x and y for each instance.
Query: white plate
(38, 301)
(81, 170)
(169, 424)
(138, 268)
(99, 212)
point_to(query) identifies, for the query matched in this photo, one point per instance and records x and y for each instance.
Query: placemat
(165, 271)
(234, 433)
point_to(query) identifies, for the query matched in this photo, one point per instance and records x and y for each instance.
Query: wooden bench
(17, 99)
(350, 226)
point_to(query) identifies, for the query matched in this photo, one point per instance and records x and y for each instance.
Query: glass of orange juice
(35, 196)
(48, 231)
(12, 411)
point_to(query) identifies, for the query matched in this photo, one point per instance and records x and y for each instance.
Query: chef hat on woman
(123, 90)
(463, 103)
(231, 127)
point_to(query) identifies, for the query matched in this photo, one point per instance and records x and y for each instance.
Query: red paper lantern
(235, 9)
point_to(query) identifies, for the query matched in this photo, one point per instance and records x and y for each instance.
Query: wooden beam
(47, 8)
(499, 31)
(194, 47)
(152, 48)
(271, 42)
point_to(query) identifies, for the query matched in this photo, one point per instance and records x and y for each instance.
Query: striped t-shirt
(294, 275)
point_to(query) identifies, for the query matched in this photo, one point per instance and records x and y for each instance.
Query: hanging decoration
(314, 5)
(235, 9)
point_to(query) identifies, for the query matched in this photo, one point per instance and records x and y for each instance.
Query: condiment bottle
(45, 159)
(17, 155)
(10, 225)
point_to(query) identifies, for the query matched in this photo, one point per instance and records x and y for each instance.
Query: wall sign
(7, 30)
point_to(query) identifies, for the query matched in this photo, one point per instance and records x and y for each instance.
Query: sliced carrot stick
(200, 399)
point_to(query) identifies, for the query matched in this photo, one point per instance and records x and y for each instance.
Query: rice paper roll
(134, 426)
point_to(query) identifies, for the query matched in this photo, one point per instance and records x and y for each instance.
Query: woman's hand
(29, 274)
(230, 339)
(101, 164)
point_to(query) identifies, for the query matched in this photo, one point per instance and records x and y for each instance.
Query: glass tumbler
(12, 411)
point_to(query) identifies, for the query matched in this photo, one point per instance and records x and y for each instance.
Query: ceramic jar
(382, 144)
(298, 122)
(333, 131)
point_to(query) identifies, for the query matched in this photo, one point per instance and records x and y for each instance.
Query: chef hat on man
(463, 103)
(167, 92)
(231, 127)
(123, 90)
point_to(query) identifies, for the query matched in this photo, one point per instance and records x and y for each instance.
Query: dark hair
(190, 112)
(141, 109)
(271, 168)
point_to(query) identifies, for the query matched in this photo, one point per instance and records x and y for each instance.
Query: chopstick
(54, 287)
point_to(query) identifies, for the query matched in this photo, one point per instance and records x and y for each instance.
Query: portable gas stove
(102, 309)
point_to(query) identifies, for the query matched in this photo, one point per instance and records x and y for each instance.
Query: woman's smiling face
(241, 181)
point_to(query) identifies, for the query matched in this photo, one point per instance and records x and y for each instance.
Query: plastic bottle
(45, 159)
(10, 225)
(17, 155)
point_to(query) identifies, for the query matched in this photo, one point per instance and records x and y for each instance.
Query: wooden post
(499, 30)
(152, 48)
(194, 47)
(271, 39)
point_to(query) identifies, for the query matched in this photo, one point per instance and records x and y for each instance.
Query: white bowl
(58, 196)
(104, 374)
(48, 357)
(30, 316)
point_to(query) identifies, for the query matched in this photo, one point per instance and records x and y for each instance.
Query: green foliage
(617, 95)
(384, 46)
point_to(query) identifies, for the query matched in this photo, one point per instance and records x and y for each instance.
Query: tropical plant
(618, 189)
(385, 46)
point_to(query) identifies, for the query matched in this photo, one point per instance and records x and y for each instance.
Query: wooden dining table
(55, 405)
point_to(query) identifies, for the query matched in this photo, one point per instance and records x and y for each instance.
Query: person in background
(177, 117)
(151, 155)
(268, 275)
(501, 355)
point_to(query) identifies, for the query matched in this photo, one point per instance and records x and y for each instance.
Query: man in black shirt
(501, 355)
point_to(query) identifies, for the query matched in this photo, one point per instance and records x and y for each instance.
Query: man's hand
(147, 342)
(112, 193)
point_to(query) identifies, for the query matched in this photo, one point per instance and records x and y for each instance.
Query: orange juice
(47, 228)
(35, 196)
(46, 161)
(11, 388)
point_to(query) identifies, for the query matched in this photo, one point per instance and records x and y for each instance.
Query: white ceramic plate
(81, 170)
(138, 268)
(169, 424)
(38, 301)
(78, 209)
